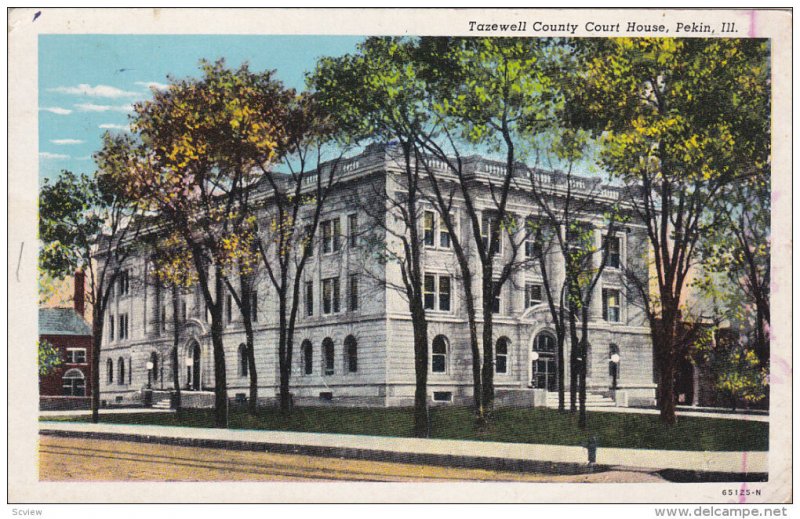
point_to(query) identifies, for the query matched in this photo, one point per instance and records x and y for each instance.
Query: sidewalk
(105, 410)
(499, 456)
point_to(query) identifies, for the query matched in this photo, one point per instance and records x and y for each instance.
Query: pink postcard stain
(743, 489)
(752, 31)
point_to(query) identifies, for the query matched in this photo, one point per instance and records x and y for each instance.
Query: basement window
(442, 396)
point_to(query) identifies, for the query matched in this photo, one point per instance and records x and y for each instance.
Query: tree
(49, 357)
(293, 208)
(87, 223)
(738, 251)
(172, 271)
(189, 168)
(375, 94)
(679, 121)
(495, 93)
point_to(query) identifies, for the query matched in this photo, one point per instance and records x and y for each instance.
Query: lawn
(626, 430)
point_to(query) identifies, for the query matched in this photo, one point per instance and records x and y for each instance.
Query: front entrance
(193, 367)
(543, 363)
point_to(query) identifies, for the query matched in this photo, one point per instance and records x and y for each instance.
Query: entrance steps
(162, 404)
(593, 400)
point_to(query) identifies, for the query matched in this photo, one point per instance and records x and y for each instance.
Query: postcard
(400, 255)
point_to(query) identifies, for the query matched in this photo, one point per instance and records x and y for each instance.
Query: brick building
(353, 342)
(68, 386)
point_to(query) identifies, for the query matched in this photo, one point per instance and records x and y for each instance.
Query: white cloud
(48, 155)
(94, 91)
(91, 107)
(56, 110)
(62, 142)
(152, 84)
(111, 126)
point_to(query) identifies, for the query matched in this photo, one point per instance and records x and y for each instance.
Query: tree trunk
(477, 390)
(488, 350)
(220, 376)
(97, 341)
(421, 411)
(284, 369)
(573, 362)
(582, 366)
(176, 337)
(560, 337)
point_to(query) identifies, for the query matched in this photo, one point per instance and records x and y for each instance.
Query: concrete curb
(445, 460)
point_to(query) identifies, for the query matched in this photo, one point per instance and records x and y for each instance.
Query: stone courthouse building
(353, 343)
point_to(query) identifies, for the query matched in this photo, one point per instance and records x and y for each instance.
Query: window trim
(352, 230)
(606, 292)
(328, 357)
(436, 294)
(528, 300)
(78, 375)
(335, 306)
(445, 355)
(70, 357)
(310, 298)
(606, 243)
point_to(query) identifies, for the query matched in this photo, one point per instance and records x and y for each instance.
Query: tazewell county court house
(353, 343)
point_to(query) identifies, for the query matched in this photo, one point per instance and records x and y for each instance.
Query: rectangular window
(533, 294)
(110, 327)
(76, 356)
(613, 252)
(123, 326)
(490, 233)
(330, 295)
(309, 298)
(533, 247)
(331, 235)
(442, 396)
(427, 228)
(254, 306)
(444, 293)
(124, 283)
(228, 308)
(352, 229)
(444, 234)
(429, 292)
(496, 307)
(436, 292)
(327, 237)
(353, 293)
(611, 305)
(309, 242)
(337, 235)
(184, 313)
(164, 318)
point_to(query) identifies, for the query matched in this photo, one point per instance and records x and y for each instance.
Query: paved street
(81, 459)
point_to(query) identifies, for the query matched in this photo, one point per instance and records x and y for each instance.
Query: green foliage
(740, 376)
(72, 215)
(49, 358)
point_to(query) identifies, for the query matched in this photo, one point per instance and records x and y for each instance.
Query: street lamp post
(188, 373)
(534, 358)
(149, 374)
(614, 364)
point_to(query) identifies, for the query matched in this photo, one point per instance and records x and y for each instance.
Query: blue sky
(88, 82)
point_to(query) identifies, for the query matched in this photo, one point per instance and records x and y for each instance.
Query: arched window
(439, 354)
(121, 372)
(307, 357)
(110, 371)
(243, 365)
(351, 353)
(327, 356)
(74, 383)
(501, 355)
(543, 362)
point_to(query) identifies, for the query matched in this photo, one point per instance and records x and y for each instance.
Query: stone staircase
(164, 403)
(593, 400)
